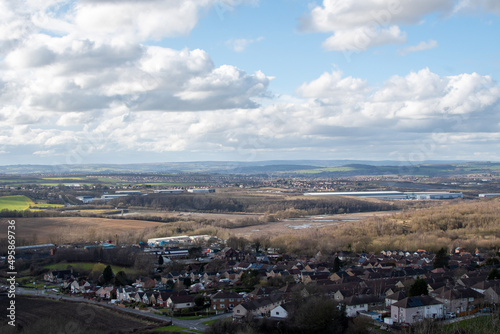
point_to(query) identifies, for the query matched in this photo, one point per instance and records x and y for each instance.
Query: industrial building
(371, 194)
(109, 197)
(181, 239)
(434, 195)
(201, 191)
(392, 194)
(488, 195)
(129, 192)
(169, 191)
(86, 199)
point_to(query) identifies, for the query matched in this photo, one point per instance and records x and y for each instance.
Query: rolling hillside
(15, 202)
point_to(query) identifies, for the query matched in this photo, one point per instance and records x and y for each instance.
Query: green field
(483, 324)
(15, 202)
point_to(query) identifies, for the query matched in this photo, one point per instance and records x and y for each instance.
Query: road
(188, 324)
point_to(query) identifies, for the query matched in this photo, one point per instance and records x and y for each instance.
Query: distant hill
(308, 168)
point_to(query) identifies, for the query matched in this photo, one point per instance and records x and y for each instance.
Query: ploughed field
(39, 315)
(67, 229)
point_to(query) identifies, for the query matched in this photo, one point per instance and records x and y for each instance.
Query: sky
(131, 81)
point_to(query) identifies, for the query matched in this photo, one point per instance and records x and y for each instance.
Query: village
(202, 275)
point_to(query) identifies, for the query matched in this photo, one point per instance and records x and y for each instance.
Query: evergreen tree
(250, 278)
(107, 274)
(494, 274)
(418, 288)
(187, 282)
(441, 259)
(337, 264)
(121, 278)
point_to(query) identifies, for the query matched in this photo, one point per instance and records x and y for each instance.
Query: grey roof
(226, 294)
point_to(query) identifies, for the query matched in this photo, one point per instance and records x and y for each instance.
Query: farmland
(66, 229)
(39, 315)
(15, 202)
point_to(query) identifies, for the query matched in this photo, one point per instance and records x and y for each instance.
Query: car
(450, 315)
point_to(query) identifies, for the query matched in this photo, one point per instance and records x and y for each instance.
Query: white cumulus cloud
(358, 26)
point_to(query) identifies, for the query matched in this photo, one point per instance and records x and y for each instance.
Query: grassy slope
(15, 202)
(483, 324)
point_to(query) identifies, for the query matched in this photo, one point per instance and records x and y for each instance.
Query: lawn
(210, 322)
(482, 324)
(19, 202)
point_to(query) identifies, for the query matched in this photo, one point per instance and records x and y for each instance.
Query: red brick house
(225, 300)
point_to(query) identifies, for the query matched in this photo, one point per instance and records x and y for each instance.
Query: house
(492, 294)
(395, 297)
(225, 300)
(145, 282)
(79, 286)
(231, 254)
(356, 304)
(341, 295)
(162, 298)
(258, 307)
(264, 292)
(138, 297)
(125, 294)
(58, 276)
(280, 312)
(178, 302)
(105, 292)
(152, 296)
(172, 276)
(458, 300)
(209, 277)
(414, 309)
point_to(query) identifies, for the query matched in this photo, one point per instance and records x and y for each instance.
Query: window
(237, 311)
(221, 306)
(277, 313)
